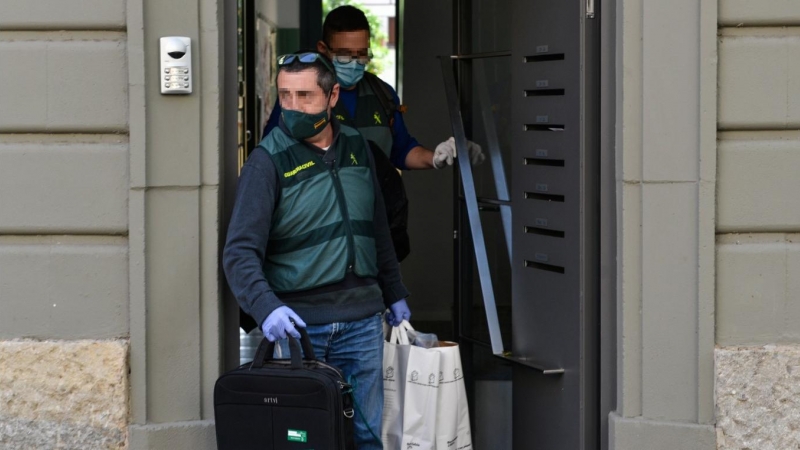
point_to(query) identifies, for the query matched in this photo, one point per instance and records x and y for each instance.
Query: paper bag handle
(400, 333)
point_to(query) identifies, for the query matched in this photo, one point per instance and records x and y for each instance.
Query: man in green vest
(369, 104)
(373, 107)
(308, 243)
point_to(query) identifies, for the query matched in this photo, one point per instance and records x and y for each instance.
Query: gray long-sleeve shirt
(245, 249)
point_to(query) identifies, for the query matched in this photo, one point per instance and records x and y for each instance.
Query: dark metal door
(554, 216)
(555, 197)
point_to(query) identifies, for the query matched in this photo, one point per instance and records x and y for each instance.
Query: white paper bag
(452, 412)
(425, 400)
(410, 382)
(420, 397)
(395, 361)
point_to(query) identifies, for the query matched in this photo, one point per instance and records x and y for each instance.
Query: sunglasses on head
(306, 58)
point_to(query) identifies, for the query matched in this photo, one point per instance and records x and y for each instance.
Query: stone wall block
(64, 187)
(756, 73)
(64, 83)
(669, 301)
(63, 287)
(756, 289)
(172, 264)
(63, 394)
(22, 84)
(758, 13)
(758, 397)
(758, 182)
(62, 15)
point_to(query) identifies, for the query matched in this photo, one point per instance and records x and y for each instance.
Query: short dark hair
(325, 77)
(343, 18)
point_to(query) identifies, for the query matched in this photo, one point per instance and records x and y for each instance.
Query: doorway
(527, 79)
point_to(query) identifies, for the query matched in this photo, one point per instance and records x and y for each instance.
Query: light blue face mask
(348, 74)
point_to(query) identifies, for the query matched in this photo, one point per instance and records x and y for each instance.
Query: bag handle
(399, 333)
(266, 349)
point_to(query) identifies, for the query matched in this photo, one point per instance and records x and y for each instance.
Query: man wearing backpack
(373, 107)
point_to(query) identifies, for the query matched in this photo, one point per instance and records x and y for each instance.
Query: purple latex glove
(279, 323)
(398, 312)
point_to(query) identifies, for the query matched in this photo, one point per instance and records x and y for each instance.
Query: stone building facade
(758, 220)
(109, 283)
(111, 312)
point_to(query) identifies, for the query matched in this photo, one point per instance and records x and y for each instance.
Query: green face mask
(302, 125)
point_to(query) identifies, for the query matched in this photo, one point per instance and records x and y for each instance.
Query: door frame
(310, 33)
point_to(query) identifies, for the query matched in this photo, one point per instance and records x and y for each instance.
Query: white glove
(445, 153)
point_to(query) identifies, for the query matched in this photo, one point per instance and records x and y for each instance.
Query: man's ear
(334, 96)
(322, 48)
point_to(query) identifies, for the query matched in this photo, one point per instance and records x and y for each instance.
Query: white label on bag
(297, 436)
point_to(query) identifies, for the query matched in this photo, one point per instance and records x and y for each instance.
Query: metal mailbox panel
(547, 114)
(553, 160)
(547, 182)
(547, 251)
(526, 142)
(545, 216)
(534, 151)
(546, 309)
(546, 73)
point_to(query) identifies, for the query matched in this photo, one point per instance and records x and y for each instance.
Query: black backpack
(395, 200)
(391, 183)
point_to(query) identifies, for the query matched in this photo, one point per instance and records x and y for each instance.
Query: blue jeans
(357, 349)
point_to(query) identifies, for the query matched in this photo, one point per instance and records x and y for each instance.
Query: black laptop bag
(284, 404)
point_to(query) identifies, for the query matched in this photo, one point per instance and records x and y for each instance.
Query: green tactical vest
(371, 119)
(322, 226)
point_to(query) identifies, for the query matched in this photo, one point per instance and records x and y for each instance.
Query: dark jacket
(352, 298)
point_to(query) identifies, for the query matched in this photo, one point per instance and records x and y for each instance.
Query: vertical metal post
(471, 199)
(229, 177)
(249, 43)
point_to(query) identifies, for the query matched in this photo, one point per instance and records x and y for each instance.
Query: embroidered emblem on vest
(353, 158)
(377, 118)
(297, 169)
